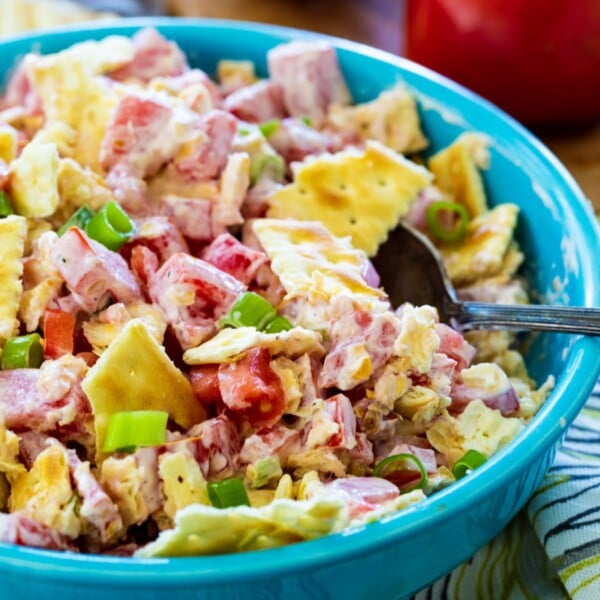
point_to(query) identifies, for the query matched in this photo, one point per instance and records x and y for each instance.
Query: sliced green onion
(470, 461)
(269, 127)
(23, 352)
(307, 121)
(133, 429)
(396, 467)
(249, 310)
(267, 164)
(229, 492)
(278, 324)
(111, 226)
(457, 220)
(243, 131)
(5, 205)
(79, 218)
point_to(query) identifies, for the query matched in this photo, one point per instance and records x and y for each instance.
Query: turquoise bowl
(405, 552)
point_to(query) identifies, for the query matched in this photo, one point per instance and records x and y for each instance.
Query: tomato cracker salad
(196, 353)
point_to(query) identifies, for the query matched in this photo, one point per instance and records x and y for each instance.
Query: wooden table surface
(379, 23)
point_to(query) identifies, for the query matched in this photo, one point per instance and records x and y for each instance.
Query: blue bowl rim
(559, 410)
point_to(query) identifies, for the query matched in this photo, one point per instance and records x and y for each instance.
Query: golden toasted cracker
(75, 98)
(482, 252)
(13, 231)
(358, 194)
(456, 170)
(230, 344)
(312, 263)
(78, 186)
(148, 380)
(33, 181)
(392, 119)
(45, 493)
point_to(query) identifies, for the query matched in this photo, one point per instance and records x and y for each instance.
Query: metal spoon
(411, 270)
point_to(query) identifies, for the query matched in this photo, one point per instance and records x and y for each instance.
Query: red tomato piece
(256, 103)
(160, 235)
(250, 388)
(454, 345)
(144, 263)
(215, 444)
(233, 257)
(192, 216)
(310, 77)
(154, 57)
(295, 140)
(59, 333)
(340, 411)
(192, 295)
(363, 494)
(208, 158)
(92, 271)
(135, 136)
(205, 383)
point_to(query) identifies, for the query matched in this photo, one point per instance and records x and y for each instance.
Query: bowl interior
(556, 230)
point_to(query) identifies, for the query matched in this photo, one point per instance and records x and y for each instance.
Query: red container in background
(537, 59)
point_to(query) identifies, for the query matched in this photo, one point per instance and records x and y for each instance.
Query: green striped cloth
(551, 550)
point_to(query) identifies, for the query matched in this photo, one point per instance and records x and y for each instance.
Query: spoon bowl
(412, 270)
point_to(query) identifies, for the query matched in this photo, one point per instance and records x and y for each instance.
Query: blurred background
(537, 59)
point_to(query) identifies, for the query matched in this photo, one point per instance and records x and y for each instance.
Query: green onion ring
(79, 218)
(132, 429)
(436, 226)
(278, 324)
(23, 352)
(111, 226)
(467, 463)
(227, 493)
(386, 467)
(249, 310)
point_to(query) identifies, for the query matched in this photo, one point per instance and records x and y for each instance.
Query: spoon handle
(525, 317)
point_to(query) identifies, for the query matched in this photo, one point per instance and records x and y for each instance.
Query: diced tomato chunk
(256, 103)
(363, 494)
(215, 444)
(192, 216)
(233, 257)
(92, 271)
(144, 263)
(454, 345)
(160, 235)
(340, 411)
(205, 383)
(250, 388)
(208, 158)
(59, 333)
(278, 440)
(135, 136)
(295, 140)
(310, 76)
(154, 57)
(192, 295)
(128, 189)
